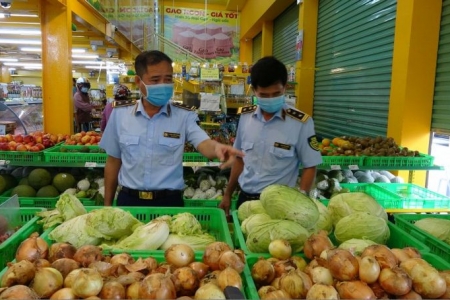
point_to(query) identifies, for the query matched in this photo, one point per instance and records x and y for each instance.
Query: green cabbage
(74, 231)
(283, 202)
(259, 237)
(146, 237)
(362, 225)
(70, 206)
(250, 208)
(356, 246)
(185, 223)
(252, 221)
(344, 204)
(325, 221)
(439, 228)
(197, 242)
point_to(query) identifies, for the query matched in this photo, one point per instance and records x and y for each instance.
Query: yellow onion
(280, 249)
(129, 278)
(272, 260)
(88, 283)
(185, 281)
(276, 283)
(212, 254)
(321, 275)
(283, 266)
(229, 277)
(384, 256)
(68, 280)
(316, 244)
(322, 291)
(201, 269)
(42, 263)
(46, 281)
(210, 278)
(112, 290)
(378, 291)
(209, 291)
(63, 294)
(263, 272)
(232, 260)
(412, 295)
(400, 254)
(32, 249)
(412, 252)
(20, 273)
(65, 266)
(105, 268)
(299, 262)
(446, 276)
(342, 264)
(241, 254)
(262, 292)
(87, 254)
(61, 250)
(157, 286)
(426, 280)
(354, 290)
(164, 268)
(307, 282)
(179, 255)
(122, 259)
(292, 283)
(18, 292)
(369, 269)
(395, 281)
(278, 294)
(133, 290)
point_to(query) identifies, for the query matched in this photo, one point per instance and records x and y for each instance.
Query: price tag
(353, 167)
(90, 164)
(213, 164)
(2, 129)
(2, 162)
(335, 167)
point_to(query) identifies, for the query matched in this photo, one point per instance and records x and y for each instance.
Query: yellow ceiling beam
(88, 16)
(235, 4)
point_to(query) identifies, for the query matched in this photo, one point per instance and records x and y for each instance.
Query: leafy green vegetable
(439, 228)
(362, 225)
(250, 208)
(185, 224)
(50, 218)
(197, 242)
(253, 221)
(325, 221)
(74, 231)
(70, 207)
(356, 246)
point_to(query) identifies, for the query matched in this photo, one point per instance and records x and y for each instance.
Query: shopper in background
(274, 137)
(82, 104)
(74, 86)
(145, 140)
(121, 93)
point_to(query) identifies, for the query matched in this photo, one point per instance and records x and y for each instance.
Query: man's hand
(226, 154)
(225, 204)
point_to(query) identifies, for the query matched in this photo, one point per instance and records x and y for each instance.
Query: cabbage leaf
(249, 208)
(356, 246)
(74, 231)
(70, 206)
(362, 225)
(185, 223)
(253, 221)
(197, 242)
(439, 228)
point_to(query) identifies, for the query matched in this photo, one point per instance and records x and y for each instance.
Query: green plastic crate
(328, 161)
(414, 198)
(399, 161)
(45, 202)
(208, 203)
(18, 157)
(194, 157)
(406, 223)
(54, 155)
(28, 225)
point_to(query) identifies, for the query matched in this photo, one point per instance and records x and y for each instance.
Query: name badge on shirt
(282, 146)
(172, 135)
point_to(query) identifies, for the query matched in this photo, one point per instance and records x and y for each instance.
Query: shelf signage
(335, 167)
(209, 74)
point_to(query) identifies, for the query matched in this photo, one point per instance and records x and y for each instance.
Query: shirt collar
(164, 109)
(281, 114)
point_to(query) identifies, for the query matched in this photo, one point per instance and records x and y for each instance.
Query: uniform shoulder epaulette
(123, 103)
(246, 109)
(296, 114)
(184, 106)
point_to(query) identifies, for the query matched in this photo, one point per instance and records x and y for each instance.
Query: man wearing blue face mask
(274, 137)
(145, 140)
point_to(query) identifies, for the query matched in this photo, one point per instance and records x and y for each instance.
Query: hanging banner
(210, 34)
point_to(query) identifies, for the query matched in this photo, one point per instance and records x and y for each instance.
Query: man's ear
(137, 79)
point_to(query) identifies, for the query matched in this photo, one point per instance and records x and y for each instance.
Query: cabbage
(74, 232)
(146, 237)
(197, 242)
(250, 208)
(260, 236)
(283, 202)
(362, 225)
(325, 222)
(356, 246)
(344, 204)
(252, 221)
(70, 206)
(439, 228)
(185, 223)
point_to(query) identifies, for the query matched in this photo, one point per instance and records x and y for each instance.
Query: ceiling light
(18, 64)
(24, 15)
(84, 56)
(12, 69)
(78, 50)
(17, 41)
(86, 62)
(37, 49)
(9, 59)
(21, 31)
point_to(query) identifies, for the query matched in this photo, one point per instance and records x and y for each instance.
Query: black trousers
(125, 199)
(243, 196)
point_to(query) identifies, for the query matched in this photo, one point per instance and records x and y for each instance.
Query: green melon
(39, 178)
(23, 181)
(48, 191)
(23, 191)
(64, 181)
(10, 181)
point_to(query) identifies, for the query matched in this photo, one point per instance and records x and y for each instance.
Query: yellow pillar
(246, 50)
(56, 23)
(304, 91)
(5, 77)
(413, 75)
(267, 38)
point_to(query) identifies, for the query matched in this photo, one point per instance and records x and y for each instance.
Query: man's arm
(111, 174)
(307, 179)
(236, 171)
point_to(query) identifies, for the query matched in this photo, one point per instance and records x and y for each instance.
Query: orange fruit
(326, 142)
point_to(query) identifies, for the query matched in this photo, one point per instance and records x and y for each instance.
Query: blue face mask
(84, 90)
(158, 94)
(271, 105)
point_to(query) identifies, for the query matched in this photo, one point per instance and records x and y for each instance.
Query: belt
(250, 196)
(150, 195)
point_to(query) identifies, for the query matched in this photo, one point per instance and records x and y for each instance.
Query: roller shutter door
(257, 47)
(285, 31)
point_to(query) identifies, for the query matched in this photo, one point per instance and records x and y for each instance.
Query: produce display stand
(45, 202)
(406, 223)
(55, 155)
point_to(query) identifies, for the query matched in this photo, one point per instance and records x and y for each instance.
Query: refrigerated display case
(27, 116)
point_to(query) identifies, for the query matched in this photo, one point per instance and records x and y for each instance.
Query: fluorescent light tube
(84, 56)
(78, 62)
(17, 41)
(9, 59)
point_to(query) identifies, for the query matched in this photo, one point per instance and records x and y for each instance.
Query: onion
(212, 254)
(87, 254)
(179, 255)
(112, 290)
(280, 249)
(130, 278)
(61, 250)
(88, 283)
(412, 252)
(321, 275)
(322, 291)
(46, 281)
(209, 291)
(395, 281)
(63, 294)
(142, 265)
(316, 243)
(313, 264)
(400, 254)
(210, 278)
(342, 264)
(42, 263)
(18, 292)
(307, 282)
(133, 290)
(446, 276)
(262, 292)
(32, 249)
(185, 281)
(378, 291)
(122, 259)
(157, 286)
(241, 254)
(232, 260)
(384, 256)
(292, 283)
(68, 280)
(369, 269)
(263, 272)
(278, 294)
(20, 273)
(229, 277)
(184, 298)
(93, 298)
(164, 268)
(200, 268)
(354, 290)
(276, 283)
(272, 260)
(104, 268)
(65, 266)
(413, 296)
(299, 262)
(283, 266)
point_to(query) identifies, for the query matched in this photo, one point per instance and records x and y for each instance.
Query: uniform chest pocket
(247, 146)
(129, 145)
(170, 143)
(282, 152)
(168, 150)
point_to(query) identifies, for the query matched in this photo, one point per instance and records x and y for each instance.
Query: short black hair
(268, 71)
(149, 58)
